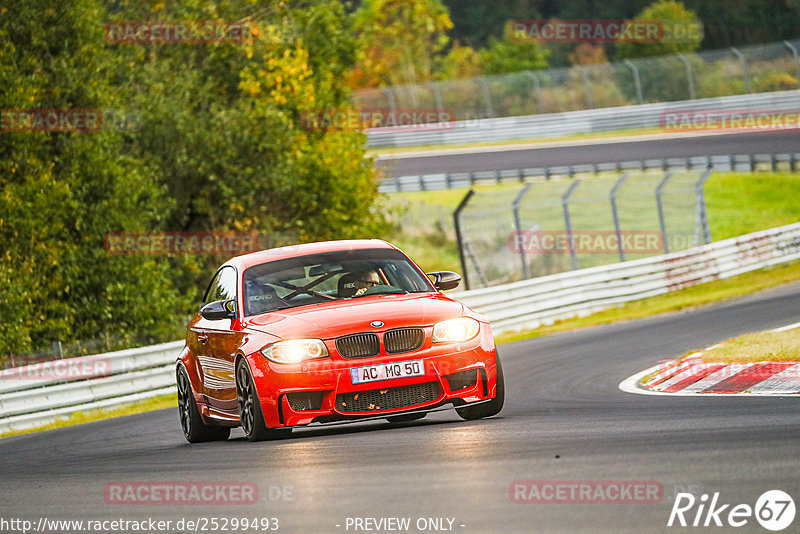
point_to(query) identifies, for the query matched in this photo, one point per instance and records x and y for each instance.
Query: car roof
(292, 251)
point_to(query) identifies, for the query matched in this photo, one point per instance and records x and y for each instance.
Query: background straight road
(596, 152)
(565, 419)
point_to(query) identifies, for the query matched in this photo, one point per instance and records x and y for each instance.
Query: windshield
(328, 277)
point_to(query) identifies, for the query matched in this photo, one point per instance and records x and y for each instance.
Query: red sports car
(331, 332)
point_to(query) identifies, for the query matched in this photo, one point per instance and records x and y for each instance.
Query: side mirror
(444, 280)
(219, 309)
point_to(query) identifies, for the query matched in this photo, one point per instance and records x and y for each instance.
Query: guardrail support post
(662, 220)
(701, 224)
(459, 237)
(568, 223)
(518, 225)
(637, 82)
(793, 50)
(615, 214)
(538, 85)
(745, 75)
(689, 75)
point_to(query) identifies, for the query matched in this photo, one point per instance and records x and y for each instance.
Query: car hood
(334, 319)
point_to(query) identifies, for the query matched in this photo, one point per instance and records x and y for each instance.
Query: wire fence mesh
(538, 227)
(706, 74)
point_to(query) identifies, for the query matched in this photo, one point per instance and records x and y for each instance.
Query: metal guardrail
(531, 303)
(609, 119)
(39, 393)
(454, 180)
(140, 373)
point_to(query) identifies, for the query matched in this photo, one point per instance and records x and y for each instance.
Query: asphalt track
(598, 151)
(565, 419)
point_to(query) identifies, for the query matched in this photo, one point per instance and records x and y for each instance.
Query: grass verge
(155, 403)
(683, 299)
(757, 347)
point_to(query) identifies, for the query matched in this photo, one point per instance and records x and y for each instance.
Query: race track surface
(565, 419)
(595, 152)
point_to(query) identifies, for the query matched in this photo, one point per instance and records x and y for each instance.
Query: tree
(675, 19)
(401, 40)
(62, 191)
(505, 56)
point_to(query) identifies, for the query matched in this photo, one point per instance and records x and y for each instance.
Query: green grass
(683, 299)
(155, 403)
(757, 347)
(740, 203)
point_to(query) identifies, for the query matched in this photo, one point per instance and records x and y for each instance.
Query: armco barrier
(531, 303)
(574, 122)
(144, 372)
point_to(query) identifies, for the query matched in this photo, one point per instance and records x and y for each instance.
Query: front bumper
(322, 390)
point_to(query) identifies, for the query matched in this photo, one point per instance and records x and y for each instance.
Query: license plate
(387, 371)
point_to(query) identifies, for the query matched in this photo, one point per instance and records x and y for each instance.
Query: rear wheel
(250, 414)
(487, 409)
(194, 429)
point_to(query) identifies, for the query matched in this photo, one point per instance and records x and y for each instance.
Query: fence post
(518, 226)
(475, 263)
(701, 224)
(637, 82)
(793, 50)
(487, 94)
(568, 223)
(587, 87)
(538, 86)
(615, 214)
(437, 95)
(459, 237)
(689, 75)
(662, 220)
(390, 97)
(745, 75)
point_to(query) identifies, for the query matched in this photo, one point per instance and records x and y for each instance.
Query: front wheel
(194, 429)
(250, 414)
(487, 409)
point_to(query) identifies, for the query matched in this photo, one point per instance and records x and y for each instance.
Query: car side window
(223, 286)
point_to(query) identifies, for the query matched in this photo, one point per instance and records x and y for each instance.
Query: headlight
(455, 330)
(295, 350)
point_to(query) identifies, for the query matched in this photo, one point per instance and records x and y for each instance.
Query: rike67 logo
(774, 510)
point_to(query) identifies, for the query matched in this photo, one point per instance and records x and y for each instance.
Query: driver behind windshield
(356, 283)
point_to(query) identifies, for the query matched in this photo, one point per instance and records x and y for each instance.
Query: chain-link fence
(716, 73)
(539, 227)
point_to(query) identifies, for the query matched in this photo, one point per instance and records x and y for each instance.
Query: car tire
(250, 415)
(406, 418)
(487, 409)
(195, 430)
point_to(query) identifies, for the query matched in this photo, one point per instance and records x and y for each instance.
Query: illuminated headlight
(295, 350)
(455, 330)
